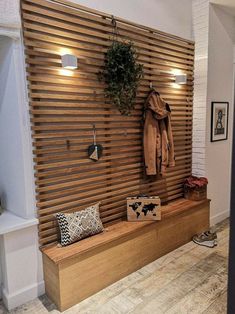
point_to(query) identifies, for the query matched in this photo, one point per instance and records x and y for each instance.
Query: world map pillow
(78, 225)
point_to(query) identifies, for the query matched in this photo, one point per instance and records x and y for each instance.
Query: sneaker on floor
(207, 238)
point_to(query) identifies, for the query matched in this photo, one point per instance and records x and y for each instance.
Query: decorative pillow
(78, 225)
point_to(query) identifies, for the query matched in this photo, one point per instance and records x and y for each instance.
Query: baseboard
(219, 217)
(22, 296)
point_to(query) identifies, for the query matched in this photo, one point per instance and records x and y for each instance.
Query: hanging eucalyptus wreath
(122, 74)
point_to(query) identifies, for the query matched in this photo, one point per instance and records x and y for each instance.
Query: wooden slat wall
(64, 105)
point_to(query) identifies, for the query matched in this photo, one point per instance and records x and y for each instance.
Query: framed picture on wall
(219, 121)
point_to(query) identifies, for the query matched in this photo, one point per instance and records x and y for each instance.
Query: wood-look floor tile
(199, 298)
(177, 288)
(219, 306)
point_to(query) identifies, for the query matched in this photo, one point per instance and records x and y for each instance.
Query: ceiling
(227, 5)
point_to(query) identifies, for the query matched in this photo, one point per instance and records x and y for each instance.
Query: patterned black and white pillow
(78, 225)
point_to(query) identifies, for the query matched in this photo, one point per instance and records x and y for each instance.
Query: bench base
(71, 280)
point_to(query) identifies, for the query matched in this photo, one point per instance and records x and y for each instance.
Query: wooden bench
(75, 272)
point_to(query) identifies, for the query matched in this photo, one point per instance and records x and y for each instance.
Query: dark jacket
(158, 138)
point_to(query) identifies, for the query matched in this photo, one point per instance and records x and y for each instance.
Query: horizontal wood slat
(65, 104)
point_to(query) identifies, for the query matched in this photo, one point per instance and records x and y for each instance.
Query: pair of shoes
(207, 238)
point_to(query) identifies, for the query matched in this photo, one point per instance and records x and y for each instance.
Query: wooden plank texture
(65, 104)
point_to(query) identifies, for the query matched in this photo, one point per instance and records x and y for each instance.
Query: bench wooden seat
(77, 271)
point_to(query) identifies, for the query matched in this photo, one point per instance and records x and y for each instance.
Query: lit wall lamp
(181, 79)
(69, 62)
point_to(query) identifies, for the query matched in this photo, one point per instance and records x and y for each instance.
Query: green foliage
(122, 75)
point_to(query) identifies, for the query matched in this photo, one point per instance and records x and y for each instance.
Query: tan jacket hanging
(158, 138)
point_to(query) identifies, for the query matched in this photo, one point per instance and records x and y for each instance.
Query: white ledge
(10, 222)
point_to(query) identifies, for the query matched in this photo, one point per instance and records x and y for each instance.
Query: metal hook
(113, 21)
(115, 29)
(68, 144)
(94, 133)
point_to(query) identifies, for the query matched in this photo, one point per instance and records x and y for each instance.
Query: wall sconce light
(181, 79)
(69, 61)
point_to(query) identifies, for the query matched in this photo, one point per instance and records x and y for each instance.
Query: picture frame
(219, 120)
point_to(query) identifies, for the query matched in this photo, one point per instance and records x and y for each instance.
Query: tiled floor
(191, 279)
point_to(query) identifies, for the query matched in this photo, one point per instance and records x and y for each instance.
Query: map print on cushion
(78, 225)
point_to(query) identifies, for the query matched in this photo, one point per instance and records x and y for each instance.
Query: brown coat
(158, 139)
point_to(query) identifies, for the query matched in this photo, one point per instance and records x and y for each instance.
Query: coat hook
(151, 85)
(68, 144)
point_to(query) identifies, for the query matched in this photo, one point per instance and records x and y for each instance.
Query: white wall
(16, 175)
(174, 17)
(200, 36)
(214, 31)
(220, 88)
(11, 170)
(17, 249)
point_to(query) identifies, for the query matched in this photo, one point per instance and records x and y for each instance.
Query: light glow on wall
(176, 72)
(175, 85)
(65, 72)
(64, 51)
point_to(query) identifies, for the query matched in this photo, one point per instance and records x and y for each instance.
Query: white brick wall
(200, 33)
